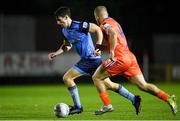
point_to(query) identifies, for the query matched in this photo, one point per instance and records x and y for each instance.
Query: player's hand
(111, 56)
(51, 56)
(97, 52)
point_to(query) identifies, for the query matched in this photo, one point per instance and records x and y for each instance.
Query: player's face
(62, 21)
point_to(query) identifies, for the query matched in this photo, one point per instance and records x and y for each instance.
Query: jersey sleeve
(84, 26)
(104, 27)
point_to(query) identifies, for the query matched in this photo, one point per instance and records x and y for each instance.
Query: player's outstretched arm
(64, 47)
(96, 29)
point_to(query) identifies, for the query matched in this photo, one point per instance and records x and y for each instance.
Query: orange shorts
(127, 67)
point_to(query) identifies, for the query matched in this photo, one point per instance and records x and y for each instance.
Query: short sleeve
(84, 26)
(104, 27)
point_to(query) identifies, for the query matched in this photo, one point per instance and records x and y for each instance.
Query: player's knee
(143, 87)
(94, 78)
(66, 78)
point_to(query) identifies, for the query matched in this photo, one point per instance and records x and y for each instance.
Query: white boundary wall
(36, 64)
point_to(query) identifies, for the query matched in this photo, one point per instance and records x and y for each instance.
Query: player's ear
(66, 17)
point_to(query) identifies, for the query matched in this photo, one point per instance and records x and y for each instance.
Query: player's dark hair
(62, 12)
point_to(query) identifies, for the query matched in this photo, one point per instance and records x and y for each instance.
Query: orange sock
(105, 98)
(162, 95)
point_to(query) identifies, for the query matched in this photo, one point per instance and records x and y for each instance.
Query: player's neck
(69, 22)
(104, 17)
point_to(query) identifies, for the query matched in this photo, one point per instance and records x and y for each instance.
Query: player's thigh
(71, 74)
(134, 73)
(101, 73)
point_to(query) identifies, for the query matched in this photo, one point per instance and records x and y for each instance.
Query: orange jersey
(121, 49)
(126, 63)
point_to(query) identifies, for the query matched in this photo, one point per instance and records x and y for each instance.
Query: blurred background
(28, 32)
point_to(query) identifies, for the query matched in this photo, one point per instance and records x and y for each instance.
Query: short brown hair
(62, 11)
(98, 9)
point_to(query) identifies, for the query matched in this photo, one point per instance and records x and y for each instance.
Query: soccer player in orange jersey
(121, 61)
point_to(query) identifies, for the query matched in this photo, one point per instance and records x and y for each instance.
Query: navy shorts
(88, 66)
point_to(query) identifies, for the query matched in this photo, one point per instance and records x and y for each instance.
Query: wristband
(64, 48)
(100, 47)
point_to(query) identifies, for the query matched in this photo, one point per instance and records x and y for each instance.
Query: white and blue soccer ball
(61, 110)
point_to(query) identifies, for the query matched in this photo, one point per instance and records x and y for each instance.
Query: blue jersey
(78, 35)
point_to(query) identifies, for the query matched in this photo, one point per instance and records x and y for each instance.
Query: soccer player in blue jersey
(77, 35)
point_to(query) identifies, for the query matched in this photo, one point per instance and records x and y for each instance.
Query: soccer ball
(61, 110)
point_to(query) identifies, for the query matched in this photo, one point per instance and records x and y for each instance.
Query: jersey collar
(106, 18)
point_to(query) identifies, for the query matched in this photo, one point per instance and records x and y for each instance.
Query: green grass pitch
(36, 102)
